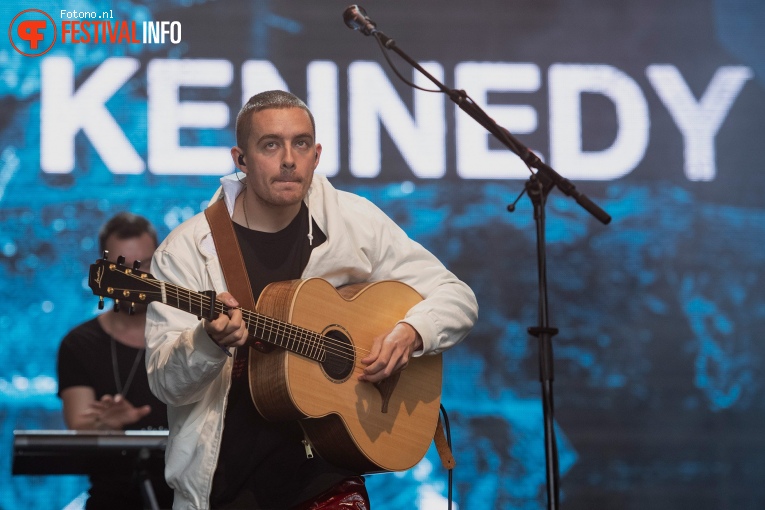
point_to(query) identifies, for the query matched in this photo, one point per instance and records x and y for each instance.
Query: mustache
(289, 175)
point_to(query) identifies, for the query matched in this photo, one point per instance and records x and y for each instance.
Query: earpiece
(241, 160)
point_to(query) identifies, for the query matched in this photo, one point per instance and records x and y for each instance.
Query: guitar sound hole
(341, 356)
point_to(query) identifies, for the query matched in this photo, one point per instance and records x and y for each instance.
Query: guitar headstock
(121, 283)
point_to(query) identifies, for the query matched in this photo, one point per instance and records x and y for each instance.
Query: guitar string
(202, 300)
(331, 345)
(276, 326)
(310, 341)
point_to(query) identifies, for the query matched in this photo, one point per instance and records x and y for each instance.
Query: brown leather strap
(231, 261)
(442, 446)
(229, 254)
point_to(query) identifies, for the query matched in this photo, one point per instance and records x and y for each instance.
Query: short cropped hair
(125, 225)
(276, 99)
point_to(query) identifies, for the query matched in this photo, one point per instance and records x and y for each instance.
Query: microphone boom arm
(546, 175)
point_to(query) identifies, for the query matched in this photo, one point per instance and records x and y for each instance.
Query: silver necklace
(244, 209)
(122, 390)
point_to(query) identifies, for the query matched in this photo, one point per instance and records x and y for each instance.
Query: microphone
(356, 18)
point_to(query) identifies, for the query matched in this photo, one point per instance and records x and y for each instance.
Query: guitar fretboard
(281, 334)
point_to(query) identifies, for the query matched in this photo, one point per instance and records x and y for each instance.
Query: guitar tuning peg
(116, 305)
(120, 260)
(136, 265)
(131, 310)
(101, 303)
(105, 255)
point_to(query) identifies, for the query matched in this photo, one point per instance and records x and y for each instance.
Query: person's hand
(228, 329)
(115, 412)
(390, 353)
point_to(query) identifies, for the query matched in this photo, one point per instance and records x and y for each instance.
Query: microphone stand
(537, 188)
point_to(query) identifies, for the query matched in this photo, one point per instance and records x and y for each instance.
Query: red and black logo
(32, 32)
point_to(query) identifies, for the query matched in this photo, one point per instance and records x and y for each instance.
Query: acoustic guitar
(319, 335)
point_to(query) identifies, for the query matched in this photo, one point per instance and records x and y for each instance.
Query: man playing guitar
(289, 224)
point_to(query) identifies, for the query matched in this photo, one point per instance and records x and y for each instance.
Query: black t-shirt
(85, 359)
(263, 464)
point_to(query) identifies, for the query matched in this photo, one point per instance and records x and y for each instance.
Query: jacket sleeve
(182, 361)
(449, 308)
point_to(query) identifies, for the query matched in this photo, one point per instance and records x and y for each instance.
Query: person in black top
(102, 373)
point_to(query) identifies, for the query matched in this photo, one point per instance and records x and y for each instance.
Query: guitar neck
(114, 280)
(260, 327)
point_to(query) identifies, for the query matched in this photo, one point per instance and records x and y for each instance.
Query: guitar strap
(229, 254)
(238, 283)
(442, 446)
(230, 257)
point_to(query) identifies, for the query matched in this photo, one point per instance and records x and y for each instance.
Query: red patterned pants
(350, 494)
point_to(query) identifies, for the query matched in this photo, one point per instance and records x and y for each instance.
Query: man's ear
(317, 155)
(237, 155)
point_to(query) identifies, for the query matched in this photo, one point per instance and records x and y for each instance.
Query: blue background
(658, 365)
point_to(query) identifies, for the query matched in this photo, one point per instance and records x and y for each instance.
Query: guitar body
(363, 426)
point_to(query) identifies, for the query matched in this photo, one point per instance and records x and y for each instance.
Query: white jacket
(191, 374)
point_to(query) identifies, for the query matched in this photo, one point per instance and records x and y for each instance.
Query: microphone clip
(356, 18)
